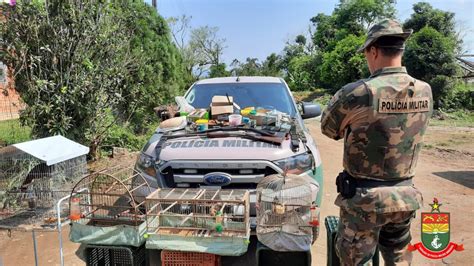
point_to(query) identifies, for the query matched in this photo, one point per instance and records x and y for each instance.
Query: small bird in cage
(122, 207)
(215, 211)
(33, 176)
(277, 207)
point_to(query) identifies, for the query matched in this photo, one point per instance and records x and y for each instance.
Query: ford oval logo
(217, 179)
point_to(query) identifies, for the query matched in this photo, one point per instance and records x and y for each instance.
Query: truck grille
(245, 175)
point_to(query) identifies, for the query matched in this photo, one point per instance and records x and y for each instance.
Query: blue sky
(256, 28)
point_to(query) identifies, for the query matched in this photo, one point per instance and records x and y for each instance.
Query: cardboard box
(222, 105)
(222, 100)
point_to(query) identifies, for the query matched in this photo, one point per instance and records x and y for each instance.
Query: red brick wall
(10, 103)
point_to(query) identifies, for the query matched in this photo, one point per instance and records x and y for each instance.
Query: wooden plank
(167, 208)
(148, 212)
(197, 216)
(199, 201)
(137, 187)
(189, 216)
(223, 205)
(202, 192)
(153, 194)
(169, 193)
(199, 228)
(184, 193)
(215, 194)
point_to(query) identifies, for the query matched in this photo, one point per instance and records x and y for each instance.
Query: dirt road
(445, 171)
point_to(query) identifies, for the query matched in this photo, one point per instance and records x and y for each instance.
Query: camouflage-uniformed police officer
(382, 120)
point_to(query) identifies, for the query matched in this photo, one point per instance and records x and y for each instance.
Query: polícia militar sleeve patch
(404, 105)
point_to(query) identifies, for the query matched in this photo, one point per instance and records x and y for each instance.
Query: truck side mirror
(310, 110)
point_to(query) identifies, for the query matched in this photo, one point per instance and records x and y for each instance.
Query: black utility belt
(347, 184)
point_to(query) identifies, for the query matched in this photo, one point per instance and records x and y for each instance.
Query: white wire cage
(31, 184)
(285, 219)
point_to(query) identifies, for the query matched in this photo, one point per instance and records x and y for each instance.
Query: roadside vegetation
(11, 132)
(85, 68)
(93, 71)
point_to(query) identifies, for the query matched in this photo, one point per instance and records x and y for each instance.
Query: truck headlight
(296, 164)
(146, 164)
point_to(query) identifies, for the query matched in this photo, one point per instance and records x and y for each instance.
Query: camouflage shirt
(382, 120)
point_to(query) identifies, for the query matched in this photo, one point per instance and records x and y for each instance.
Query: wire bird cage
(209, 219)
(107, 199)
(285, 212)
(107, 208)
(34, 175)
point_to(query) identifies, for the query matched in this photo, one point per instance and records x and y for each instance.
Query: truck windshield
(266, 95)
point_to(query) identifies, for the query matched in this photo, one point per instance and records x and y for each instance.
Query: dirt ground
(445, 171)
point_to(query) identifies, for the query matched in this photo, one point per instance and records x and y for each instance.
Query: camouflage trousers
(359, 233)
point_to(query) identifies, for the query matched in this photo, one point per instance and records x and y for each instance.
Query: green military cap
(386, 27)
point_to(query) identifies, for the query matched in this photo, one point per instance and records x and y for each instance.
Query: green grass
(11, 132)
(428, 146)
(460, 118)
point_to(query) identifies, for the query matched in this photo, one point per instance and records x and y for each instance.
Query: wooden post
(153, 3)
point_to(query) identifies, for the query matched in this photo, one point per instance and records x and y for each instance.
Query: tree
(201, 48)
(325, 31)
(293, 49)
(430, 56)
(349, 17)
(356, 16)
(272, 66)
(82, 67)
(159, 73)
(300, 40)
(430, 52)
(425, 15)
(219, 70)
(343, 64)
(299, 78)
(180, 28)
(251, 67)
(207, 48)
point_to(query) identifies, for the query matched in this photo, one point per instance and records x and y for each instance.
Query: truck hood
(230, 148)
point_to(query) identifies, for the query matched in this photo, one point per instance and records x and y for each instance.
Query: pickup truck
(234, 161)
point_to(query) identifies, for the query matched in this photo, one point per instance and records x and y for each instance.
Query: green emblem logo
(435, 235)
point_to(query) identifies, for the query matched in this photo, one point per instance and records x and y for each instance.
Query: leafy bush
(158, 71)
(461, 96)
(343, 64)
(299, 78)
(75, 62)
(429, 56)
(121, 136)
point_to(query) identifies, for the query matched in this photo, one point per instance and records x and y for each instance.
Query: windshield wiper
(263, 136)
(277, 140)
(232, 129)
